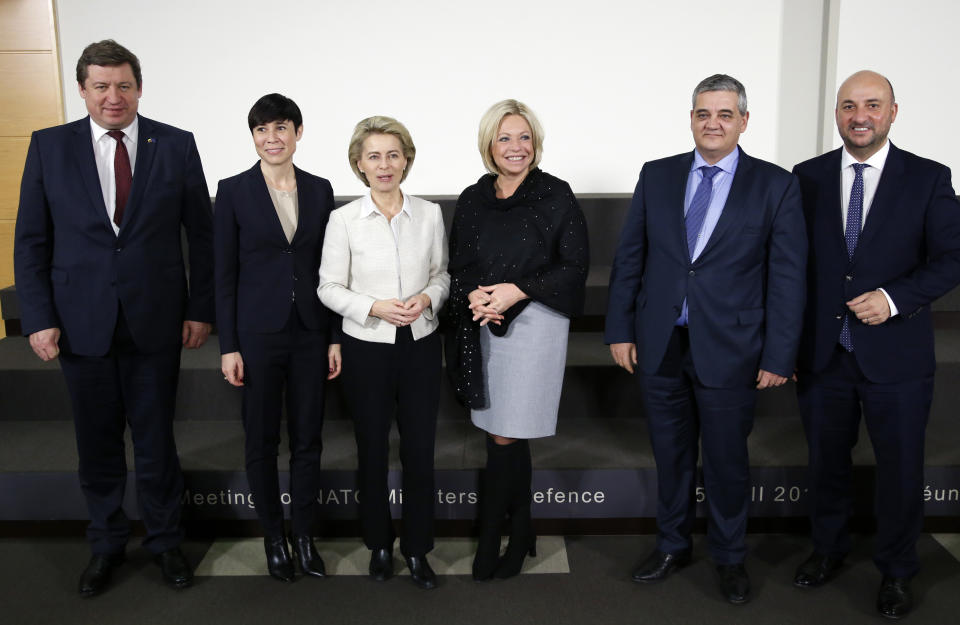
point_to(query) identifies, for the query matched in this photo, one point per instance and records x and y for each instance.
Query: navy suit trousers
(287, 365)
(682, 415)
(126, 386)
(831, 404)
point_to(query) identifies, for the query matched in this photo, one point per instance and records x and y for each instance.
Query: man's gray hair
(722, 82)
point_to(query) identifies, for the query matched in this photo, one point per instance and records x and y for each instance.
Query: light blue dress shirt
(722, 181)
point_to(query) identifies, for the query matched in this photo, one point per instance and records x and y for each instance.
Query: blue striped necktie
(852, 236)
(698, 207)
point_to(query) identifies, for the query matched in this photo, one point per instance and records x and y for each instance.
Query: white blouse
(366, 258)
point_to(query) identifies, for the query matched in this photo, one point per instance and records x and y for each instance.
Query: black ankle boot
(523, 540)
(310, 561)
(278, 558)
(493, 506)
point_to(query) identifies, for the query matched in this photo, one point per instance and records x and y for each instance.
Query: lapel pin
(150, 140)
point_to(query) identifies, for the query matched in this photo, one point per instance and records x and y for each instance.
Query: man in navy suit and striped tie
(884, 230)
(707, 295)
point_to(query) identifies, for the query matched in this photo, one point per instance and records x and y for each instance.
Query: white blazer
(363, 262)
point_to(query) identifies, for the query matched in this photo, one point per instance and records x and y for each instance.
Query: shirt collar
(727, 164)
(368, 207)
(130, 131)
(876, 161)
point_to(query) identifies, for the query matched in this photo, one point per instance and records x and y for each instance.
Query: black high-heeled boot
(493, 507)
(310, 561)
(523, 540)
(278, 558)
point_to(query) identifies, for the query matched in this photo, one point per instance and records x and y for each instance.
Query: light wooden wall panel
(26, 25)
(30, 97)
(13, 152)
(6, 252)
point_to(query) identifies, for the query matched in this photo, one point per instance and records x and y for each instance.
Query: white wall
(915, 45)
(610, 79)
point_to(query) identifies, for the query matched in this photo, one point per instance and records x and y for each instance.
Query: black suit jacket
(745, 291)
(257, 270)
(909, 246)
(74, 273)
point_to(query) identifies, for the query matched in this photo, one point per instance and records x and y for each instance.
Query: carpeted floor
(575, 580)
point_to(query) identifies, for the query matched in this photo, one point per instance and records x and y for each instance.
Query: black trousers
(383, 380)
(831, 404)
(294, 361)
(684, 415)
(126, 386)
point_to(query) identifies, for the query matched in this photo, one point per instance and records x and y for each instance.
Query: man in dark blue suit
(707, 288)
(884, 231)
(101, 280)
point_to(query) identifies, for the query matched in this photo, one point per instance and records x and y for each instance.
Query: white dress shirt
(871, 179)
(104, 150)
(366, 258)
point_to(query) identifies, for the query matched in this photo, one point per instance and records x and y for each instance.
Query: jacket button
(848, 278)
(692, 273)
(118, 250)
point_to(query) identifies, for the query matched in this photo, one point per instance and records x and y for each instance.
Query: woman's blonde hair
(380, 125)
(490, 126)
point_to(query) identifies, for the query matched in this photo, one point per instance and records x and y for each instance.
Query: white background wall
(609, 79)
(915, 44)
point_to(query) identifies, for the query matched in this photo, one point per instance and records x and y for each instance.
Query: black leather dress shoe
(659, 565)
(381, 564)
(94, 578)
(279, 564)
(817, 570)
(174, 568)
(421, 573)
(734, 583)
(895, 599)
(310, 561)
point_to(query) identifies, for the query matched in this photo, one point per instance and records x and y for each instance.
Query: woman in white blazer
(384, 269)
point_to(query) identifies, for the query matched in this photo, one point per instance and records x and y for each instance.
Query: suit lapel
(306, 204)
(262, 204)
(147, 146)
(885, 198)
(87, 165)
(678, 189)
(734, 206)
(832, 202)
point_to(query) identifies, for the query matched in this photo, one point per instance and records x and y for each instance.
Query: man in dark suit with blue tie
(884, 230)
(101, 279)
(707, 293)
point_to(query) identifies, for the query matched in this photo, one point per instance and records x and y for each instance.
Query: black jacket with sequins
(536, 238)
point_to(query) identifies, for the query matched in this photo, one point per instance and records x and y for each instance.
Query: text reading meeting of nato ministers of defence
(730, 276)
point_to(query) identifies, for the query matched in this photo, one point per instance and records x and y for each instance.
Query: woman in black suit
(274, 332)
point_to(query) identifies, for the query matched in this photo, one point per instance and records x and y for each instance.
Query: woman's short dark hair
(107, 53)
(274, 107)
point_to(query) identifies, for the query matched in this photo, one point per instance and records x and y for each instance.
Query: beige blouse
(288, 210)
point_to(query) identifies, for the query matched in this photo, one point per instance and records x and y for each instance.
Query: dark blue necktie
(698, 207)
(852, 236)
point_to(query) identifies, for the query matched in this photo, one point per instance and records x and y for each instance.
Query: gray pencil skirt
(523, 374)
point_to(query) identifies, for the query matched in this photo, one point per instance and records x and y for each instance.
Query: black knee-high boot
(494, 500)
(523, 540)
